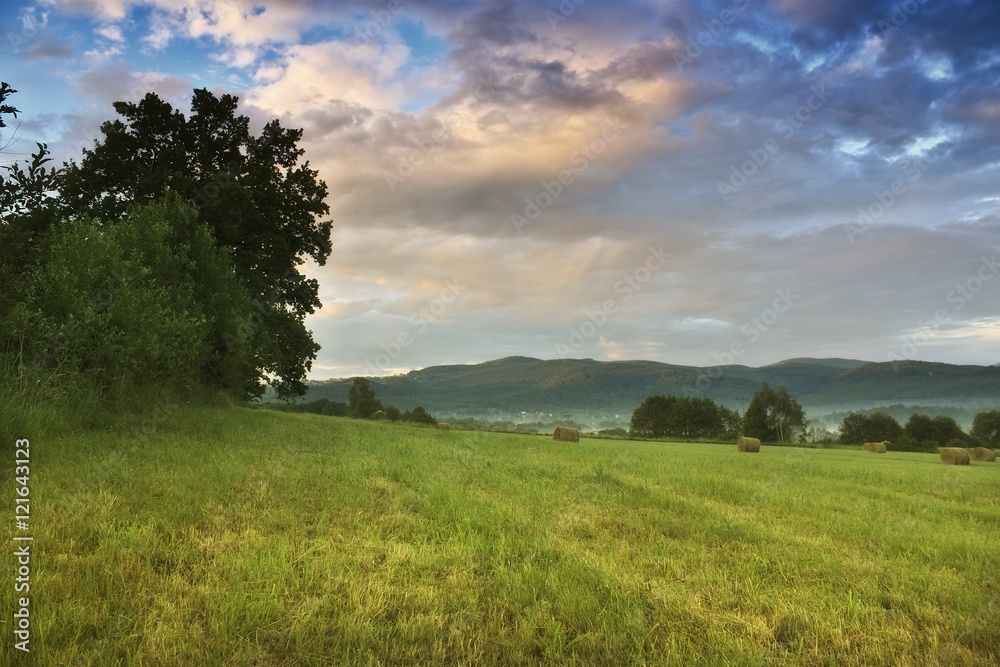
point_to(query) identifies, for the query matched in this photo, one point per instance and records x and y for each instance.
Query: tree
(774, 416)
(986, 428)
(691, 417)
(651, 418)
(128, 304)
(939, 430)
(419, 416)
(260, 202)
(361, 401)
(5, 109)
(681, 417)
(857, 428)
(22, 222)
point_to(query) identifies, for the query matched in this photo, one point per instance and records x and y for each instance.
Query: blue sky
(502, 173)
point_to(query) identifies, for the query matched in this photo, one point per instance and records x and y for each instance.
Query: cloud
(444, 123)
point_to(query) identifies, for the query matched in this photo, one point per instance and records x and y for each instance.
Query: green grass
(250, 537)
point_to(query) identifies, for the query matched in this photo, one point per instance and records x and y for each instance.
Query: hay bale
(983, 454)
(563, 434)
(745, 444)
(958, 456)
(875, 447)
(443, 426)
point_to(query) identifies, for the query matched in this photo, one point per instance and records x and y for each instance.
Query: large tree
(940, 430)
(652, 418)
(774, 416)
(876, 427)
(986, 428)
(681, 417)
(261, 201)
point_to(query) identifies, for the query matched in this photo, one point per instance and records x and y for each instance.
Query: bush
(144, 301)
(419, 416)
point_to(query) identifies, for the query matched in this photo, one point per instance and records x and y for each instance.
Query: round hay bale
(983, 454)
(443, 426)
(958, 456)
(875, 447)
(564, 434)
(744, 444)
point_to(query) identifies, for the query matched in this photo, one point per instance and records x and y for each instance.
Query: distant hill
(516, 384)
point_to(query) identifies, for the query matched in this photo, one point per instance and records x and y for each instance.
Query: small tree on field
(774, 416)
(361, 401)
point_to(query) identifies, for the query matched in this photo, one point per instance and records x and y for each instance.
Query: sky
(697, 183)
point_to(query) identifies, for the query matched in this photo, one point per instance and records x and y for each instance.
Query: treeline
(168, 255)
(362, 404)
(772, 416)
(921, 433)
(683, 417)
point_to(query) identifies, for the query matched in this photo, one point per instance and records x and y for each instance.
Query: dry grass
(984, 454)
(874, 447)
(564, 434)
(958, 456)
(745, 444)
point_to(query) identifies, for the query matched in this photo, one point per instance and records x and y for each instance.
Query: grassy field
(248, 537)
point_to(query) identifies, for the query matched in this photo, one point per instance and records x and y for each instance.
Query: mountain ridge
(526, 384)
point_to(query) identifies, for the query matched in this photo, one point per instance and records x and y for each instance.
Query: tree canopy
(681, 417)
(857, 428)
(774, 416)
(940, 430)
(258, 202)
(361, 401)
(986, 428)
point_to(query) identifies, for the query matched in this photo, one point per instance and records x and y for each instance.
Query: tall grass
(247, 537)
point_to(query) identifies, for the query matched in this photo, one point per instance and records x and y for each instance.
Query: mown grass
(235, 536)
